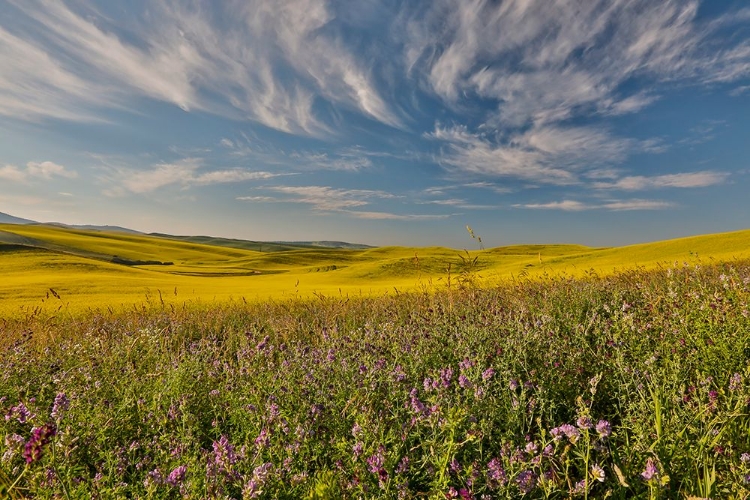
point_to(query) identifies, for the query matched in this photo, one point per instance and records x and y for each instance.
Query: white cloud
(545, 154)
(45, 170)
(682, 180)
(271, 62)
(12, 173)
(184, 173)
(612, 205)
(326, 198)
(392, 216)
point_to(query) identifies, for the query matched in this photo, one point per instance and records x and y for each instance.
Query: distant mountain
(115, 229)
(327, 244)
(262, 246)
(9, 219)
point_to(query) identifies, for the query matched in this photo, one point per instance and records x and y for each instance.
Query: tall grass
(628, 386)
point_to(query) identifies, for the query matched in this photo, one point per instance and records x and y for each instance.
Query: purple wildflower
(60, 406)
(735, 382)
(496, 472)
(356, 429)
(570, 431)
(580, 488)
(465, 364)
(531, 448)
(399, 374)
(513, 384)
(20, 412)
(40, 437)
(745, 458)
(13, 443)
(403, 466)
(263, 439)
(487, 374)
(650, 471)
(376, 461)
(526, 481)
(357, 449)
(604, 429)
(446, 374)
(584, 422)
(455, 467)
(464, 381)
(154, 477)
(224, 455)
(177, 476)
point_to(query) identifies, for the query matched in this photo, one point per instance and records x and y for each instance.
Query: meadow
(618, 384)
(55, 269)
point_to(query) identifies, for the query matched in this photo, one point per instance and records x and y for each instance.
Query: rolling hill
(94, 268)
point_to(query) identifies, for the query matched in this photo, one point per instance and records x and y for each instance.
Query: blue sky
(377, 121)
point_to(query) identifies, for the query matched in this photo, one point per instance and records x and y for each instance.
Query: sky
(598, 122)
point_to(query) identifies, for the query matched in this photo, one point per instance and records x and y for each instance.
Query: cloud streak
(184, 173)
(45, 170)
(613, 205)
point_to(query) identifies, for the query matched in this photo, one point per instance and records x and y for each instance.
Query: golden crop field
(94, 269)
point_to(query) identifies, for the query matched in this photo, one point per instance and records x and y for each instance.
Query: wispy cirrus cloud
(536, 66)
(45, 170)
(184, 173)
(612, 205)
(547, 154)
(681, 180)
(279, 64)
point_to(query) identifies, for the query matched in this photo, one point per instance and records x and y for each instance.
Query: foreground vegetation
(627, 386)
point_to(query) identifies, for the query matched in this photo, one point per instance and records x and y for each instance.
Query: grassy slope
(62, 259)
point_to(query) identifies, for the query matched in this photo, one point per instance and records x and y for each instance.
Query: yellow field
(78, 265)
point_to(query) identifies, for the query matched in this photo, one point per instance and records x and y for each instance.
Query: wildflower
(531, 448)
(20, 412)
(177, 475)
(464, 494)
(579, 488)
(403, 466)
(455, 467)
(13, 443)
(154, 477)
(745, 458)
(735, 382)
(604, 429)
(465, 364)
(584, 423)
(464, 381)
(357, 449)
(526, 481)
(557, 434)
(446, 374)
(376, 461)
(356, 429)
(40, 437)
(650, 471)
(495, 472)
(263, 439)
(487, 374)
(568, 430)
(60, 406)
(513, 384)
(598, 473)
